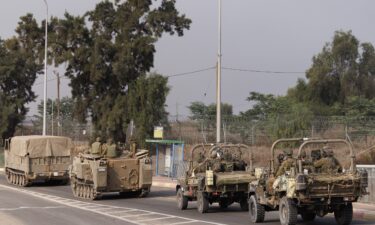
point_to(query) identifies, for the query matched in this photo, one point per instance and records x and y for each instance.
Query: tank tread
(17, 178)
(83, 190)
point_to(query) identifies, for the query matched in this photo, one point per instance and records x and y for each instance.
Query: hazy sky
(257, 34)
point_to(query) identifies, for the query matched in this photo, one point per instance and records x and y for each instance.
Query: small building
(167, 156)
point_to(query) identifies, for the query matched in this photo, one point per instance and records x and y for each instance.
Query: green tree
(19, 66)
(108, 57)
(343, 69)
(201, 111)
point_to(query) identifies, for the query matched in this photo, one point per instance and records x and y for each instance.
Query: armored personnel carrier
(94, 175)
(221, 176)
(37, 158)
(305, 189)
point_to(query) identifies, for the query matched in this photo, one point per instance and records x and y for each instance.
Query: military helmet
(288, 152)
(98, 139)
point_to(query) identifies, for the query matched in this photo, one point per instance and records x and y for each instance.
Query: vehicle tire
(202, 202)
(244, 204)
(182, 201)
(143, 193)
(344, 214)
(223, 203)
(308, 216)
(288, 212)
(256, 210)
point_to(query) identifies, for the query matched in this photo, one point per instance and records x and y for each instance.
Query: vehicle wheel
(308, 216)
(244, 204)
(182, 201)
(64, 182)
(256, 210)
(223, 203)
(202, 202)
(288, 212)
(344, 214)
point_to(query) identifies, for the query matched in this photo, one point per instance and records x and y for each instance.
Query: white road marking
(31, 207)
(121, 213)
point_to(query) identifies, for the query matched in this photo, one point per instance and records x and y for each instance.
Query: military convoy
(37, 158)
(222, 176)
(92, 175)
(305, 188)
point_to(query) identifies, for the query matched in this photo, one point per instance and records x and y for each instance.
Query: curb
(364, 214)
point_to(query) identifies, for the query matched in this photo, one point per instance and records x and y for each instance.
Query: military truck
(218, 177)
(306, 191)
(94, 175)
(37, 158)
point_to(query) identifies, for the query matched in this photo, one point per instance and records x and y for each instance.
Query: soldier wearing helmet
(287, 164)
(96, 147)
(306, 163)
(328, 164)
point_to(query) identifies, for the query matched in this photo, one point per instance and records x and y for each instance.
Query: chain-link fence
(263, 132)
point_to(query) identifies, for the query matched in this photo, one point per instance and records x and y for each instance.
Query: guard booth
(167, 156)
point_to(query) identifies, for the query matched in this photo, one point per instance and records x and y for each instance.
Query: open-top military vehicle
(37, 158)
(93, 175)
(221, 177)
(306, 191)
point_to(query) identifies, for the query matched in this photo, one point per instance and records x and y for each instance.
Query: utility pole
(45, 73)
(58, 103)
(218, 83)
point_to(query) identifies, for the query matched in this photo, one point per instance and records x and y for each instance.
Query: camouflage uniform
(111, 149)
(96, 147)
(307, 164)
(328, 164)
(288, 163)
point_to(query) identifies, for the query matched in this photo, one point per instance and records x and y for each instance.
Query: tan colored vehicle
(93, 175)
(305, 190)
(220, 178)
(37, 158)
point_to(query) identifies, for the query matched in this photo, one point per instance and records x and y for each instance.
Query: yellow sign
(158, 132)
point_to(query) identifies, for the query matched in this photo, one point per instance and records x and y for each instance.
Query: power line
(262, 71)
(192, 72)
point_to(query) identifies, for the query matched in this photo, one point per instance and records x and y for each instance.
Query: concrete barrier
(370, 198)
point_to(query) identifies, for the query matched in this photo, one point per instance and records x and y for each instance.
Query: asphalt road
(47, 204)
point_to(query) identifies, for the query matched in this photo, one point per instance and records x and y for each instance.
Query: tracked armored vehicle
(305, 190)
(37, 158)
(94, 175)
(217, 177)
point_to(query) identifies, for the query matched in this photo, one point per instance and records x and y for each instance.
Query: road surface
(45, 204)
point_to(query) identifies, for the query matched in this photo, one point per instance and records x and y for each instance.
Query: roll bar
(327, 141)
(214, 146)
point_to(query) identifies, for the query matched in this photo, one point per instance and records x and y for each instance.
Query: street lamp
(45, 72)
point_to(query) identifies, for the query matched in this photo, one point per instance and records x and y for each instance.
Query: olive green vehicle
(93, 175)
(37, 158)
(305, 191)
(222, 179)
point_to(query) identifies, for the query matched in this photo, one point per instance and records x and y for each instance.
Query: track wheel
(202, 202)
(288, 212)
(182, 201)
(344, 214)
(256, 210)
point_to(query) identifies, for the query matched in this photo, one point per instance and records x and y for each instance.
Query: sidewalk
(165, 182)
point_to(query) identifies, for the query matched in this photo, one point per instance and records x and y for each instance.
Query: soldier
(288, 163)
(96, 147)
(280, 159)
(111, 149)
(306, 163)
(328, 164)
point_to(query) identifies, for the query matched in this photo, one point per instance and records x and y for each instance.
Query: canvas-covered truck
(94, 175)
(221, 176)
(305, 188)
(37, 158)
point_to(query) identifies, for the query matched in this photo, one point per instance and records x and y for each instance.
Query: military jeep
(305, 192)
(222, 179)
